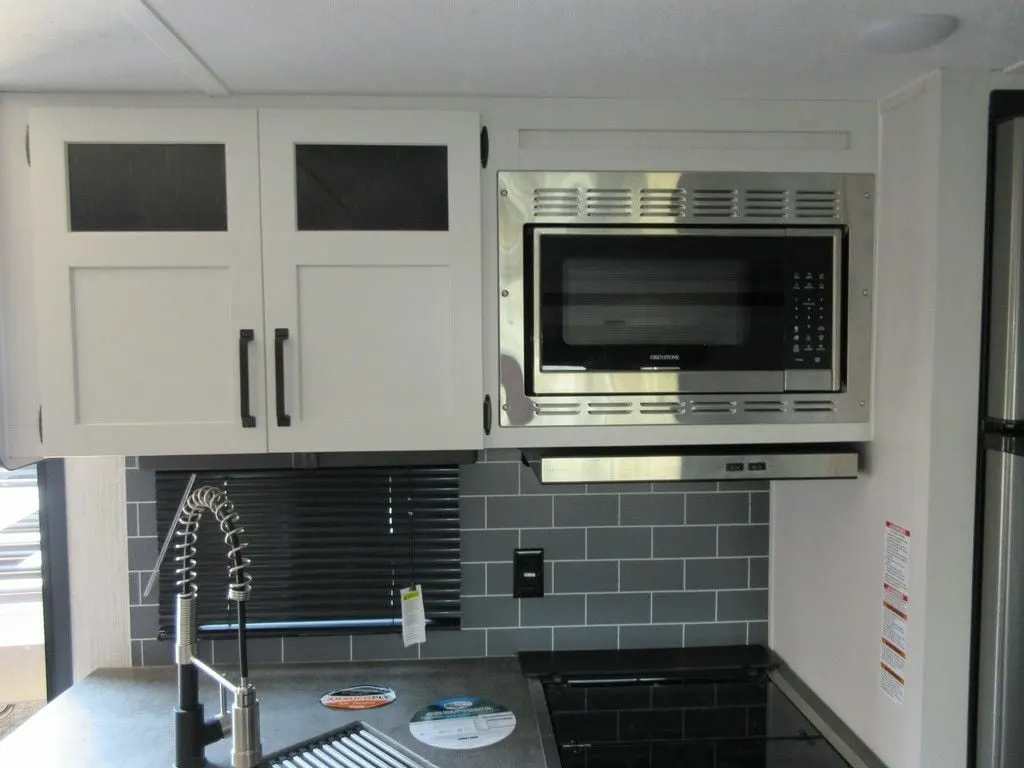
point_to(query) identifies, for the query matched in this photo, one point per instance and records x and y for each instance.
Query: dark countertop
(122, 717)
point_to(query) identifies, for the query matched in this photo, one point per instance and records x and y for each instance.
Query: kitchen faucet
(192, 731)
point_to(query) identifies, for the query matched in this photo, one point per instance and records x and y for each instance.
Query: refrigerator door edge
(1000, 686)
(1006, 312)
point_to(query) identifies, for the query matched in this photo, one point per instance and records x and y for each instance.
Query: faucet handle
(246, 750)
(170, 535)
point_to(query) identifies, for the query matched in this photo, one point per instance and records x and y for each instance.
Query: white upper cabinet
(149, 283)
(372, 257)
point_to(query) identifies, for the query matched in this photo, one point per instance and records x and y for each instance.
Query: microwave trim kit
(805, 246)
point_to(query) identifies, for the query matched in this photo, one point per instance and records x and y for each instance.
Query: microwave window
(630, 302)
(652, 302)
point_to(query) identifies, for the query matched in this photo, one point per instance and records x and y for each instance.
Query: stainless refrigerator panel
(1006, 314)
(1000, 672)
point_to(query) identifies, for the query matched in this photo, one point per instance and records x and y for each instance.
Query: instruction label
(414, 619)
(895, 612)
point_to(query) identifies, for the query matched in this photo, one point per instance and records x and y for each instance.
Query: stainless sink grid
(354, 746)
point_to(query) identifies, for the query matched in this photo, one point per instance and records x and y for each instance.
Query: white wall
(827, 538)
(98, 564)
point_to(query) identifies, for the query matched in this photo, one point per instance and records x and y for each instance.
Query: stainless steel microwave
(654, 298)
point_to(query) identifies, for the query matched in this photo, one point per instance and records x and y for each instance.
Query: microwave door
(631, 310)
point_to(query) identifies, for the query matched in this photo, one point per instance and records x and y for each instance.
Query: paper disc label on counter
(359, 697)
(466, 723)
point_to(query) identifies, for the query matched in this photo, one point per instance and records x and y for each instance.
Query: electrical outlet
(528, 573)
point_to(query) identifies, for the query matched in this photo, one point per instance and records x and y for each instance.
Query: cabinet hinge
(40, 425)
(485, 147)
(487, 414)
(28, 148)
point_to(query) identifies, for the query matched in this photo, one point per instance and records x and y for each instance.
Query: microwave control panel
(809, 332)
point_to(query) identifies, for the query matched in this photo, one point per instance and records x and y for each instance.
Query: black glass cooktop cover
(716, 718)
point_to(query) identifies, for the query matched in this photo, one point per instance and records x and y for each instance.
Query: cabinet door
(149, 283)
(371, 242)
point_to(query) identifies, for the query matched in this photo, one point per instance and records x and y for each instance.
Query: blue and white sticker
(462, 723)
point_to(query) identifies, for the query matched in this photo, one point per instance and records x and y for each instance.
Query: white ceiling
(655, 48)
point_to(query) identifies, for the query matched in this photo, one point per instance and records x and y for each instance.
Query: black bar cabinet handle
(245, 336)
(280, 337)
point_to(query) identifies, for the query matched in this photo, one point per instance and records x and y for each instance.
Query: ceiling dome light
(907, 34)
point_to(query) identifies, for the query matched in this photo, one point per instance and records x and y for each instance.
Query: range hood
(758, 462)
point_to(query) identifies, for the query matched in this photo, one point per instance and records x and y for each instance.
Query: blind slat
(327, 545)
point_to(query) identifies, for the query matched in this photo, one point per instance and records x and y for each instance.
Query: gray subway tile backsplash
(651, 575)
(318, 648)
(684, 607)
(651, 636)
(686, 541)
(759, 572)
(743, 605)
(474, 579)
(586, 576)
(382, 648)
(140, 485)
(660, 509)
(553, 611)
(454, 644)
(481, 479)
(132, 518)
(146, 511)
(631, 565)
(483, 612)
(757, 632)
(618, 543)
(585, 638)
(586, 511)
(557, 543)
(488, 546)
(742, 540)
(506, 642)
(142, 552)
(473, 513)
(619, 608)
(519, 512)
(727, 633)
(717, 508)
(760, 504)
(717, 573)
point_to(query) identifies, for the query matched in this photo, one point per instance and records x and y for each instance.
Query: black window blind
(330, 548)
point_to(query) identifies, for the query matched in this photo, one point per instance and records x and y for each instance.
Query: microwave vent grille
(765, 204)
(714, 203)
(670, 408)
(556, 201)
(812, 406)
(712, 406)
(764, 406)
(663, 202)
(609, 202)
(817, 204)
(557, 409)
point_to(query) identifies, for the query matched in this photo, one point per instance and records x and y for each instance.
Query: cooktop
(678, 708)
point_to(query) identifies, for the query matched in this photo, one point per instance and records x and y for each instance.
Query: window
(21, 583)
(330, 548)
